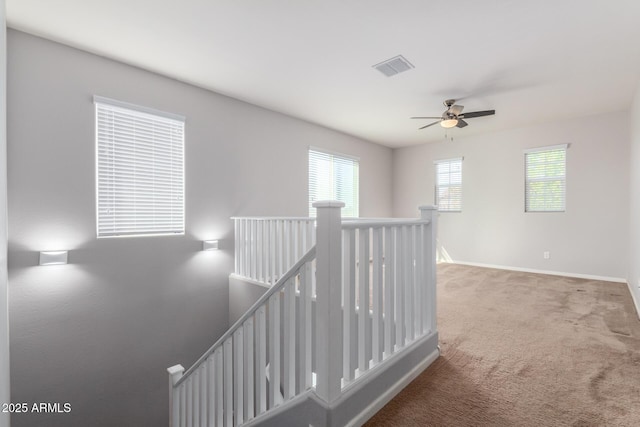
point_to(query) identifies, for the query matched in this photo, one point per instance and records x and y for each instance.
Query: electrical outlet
(545, 255)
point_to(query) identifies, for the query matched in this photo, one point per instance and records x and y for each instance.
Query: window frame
(356, 180)
(437, 185)
(141, 113)
(545, 178)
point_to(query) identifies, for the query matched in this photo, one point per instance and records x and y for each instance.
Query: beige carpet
(521, 349)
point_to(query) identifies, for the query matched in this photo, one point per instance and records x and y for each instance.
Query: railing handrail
(276, 218)
(383, 222)
(311, 253)
(304, 218)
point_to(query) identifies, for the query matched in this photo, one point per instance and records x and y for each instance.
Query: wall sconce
(53, 257)
(210, 245)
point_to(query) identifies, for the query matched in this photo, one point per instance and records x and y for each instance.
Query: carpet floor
(522, 349)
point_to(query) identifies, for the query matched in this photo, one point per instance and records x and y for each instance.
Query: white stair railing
(228, 384)
(363, 293)
(266, 247)
(388, 289)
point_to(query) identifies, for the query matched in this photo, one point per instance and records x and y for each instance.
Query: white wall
(4, 300)
(634, 197)
(100, 332)
(590, 238)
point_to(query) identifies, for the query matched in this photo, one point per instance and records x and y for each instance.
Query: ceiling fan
(454, 117)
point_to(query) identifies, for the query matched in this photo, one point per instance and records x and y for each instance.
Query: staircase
(349, 320)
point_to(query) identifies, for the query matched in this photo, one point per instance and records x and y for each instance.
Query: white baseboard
(553, 273)
(635, 299)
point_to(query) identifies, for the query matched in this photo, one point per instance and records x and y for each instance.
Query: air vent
(393, 66)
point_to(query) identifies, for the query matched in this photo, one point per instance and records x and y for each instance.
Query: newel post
(328, 299)
(175, 373)
(430, 213)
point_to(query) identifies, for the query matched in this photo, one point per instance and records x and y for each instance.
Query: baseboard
(391, 392)
(552, 273)
(636, 302)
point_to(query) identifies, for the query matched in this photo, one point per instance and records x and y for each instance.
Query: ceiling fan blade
(456, 109)
(461, 123)
(478, 114)
(434, 118)
(430, 124)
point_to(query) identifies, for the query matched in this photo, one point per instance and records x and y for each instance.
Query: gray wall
(101, 331)
(590, 238)
(634, 197)
(4, 301)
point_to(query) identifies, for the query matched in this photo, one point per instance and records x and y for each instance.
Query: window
(333, 177)
(449, 185)
(139, 170)
(545, 172)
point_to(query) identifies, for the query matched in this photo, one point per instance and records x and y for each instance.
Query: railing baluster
(261, 361)
(211, 391)
(390, 289)
(304, 367)
(255, 246)
(219, 384)
(274, 350)
(204, 407)
(408, 281)
(399, 297)
(236, 246)
(189, 406)
(249, 366)
(197, 397)
(426, 279)
(364, 326)
(259, 252)
(418, 279)
(238, 374)
(272, 241)
(228, 382)
(245, 232)
(304, 242)
(376, 325)
(240, 248)
(279, 249)
(387, 305)
(286, 245)
(183, 404)
(311, 234)
(265, 251)
(289, 339)
(296, 242)
(349, 322)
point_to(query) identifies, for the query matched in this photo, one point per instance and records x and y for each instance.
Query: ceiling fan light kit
(449, 123)
(453, 116)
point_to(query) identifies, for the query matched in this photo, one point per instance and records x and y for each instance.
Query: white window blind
(545, 173)
(140, 170)
(333, 177)
(448, 192)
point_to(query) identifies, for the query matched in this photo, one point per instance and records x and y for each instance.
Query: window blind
(545, 174)
(140, 170)
(333, 177)
(448, 192)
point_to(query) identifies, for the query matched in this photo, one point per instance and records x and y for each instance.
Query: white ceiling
(532, 61)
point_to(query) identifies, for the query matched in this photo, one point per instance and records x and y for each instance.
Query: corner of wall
(633, 279)
(4, 291)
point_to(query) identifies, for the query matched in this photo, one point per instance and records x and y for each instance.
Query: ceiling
(532, 61)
